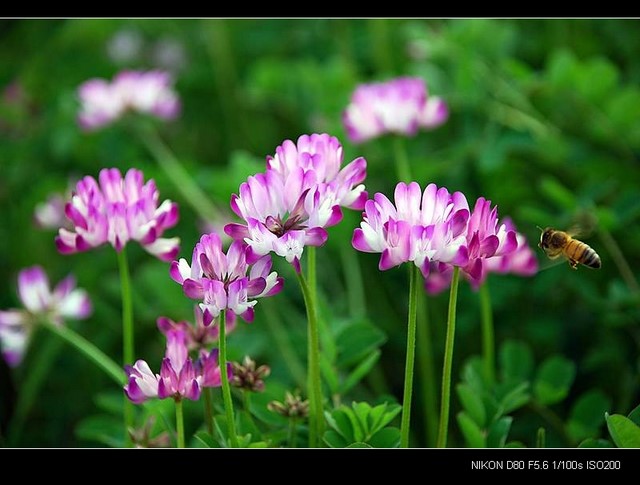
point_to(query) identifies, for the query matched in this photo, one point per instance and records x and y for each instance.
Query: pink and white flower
(400, 106)
(421, 227)
(149, 92)
(118, 210)
(65, 301)
(177, 379)
(301, 193)
(225, 281)
(522, 261)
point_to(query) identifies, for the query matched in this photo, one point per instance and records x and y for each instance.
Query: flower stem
(353, 280)
(208, 412)
(128, 352)
(488, 345)
(316, 417)
(428, 378)
(403, 168)
(414, 284)
(89, 350)
(292, 433)
(226, 389)
(176, 172)
(179, 423)
(448, 361)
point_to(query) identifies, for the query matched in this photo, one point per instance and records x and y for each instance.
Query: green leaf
(472, 404)
(472, 433)
(246, 425)
(206, 439)
(385, 438)
(516, 361)
(585, 417)
(473, 374)
(110, 402)
(515, 444)
(625, 433)
(595, 443)
(339, 420)
(361, 370)
(359, 444)
(358, 430)
(498, 432)
(357, 341)
(553, 380)
(334, 440)
(515, 397)
(361, 411)
(635, 415)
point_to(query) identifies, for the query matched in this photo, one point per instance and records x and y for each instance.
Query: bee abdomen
(582, 253)
(591, 258)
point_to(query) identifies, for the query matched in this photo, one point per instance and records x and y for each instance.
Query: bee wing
(576, 230)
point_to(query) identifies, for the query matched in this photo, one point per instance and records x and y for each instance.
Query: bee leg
(573, 263)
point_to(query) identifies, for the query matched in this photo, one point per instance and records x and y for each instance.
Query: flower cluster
(420, 227)
(65, 301)
(221, 281)
(436, 231)
(103, 102)
(116, 210)
(521, 260)
(179, 376)
(301, 193)
(399, 106)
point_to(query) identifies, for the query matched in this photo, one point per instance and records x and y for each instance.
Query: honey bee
(560, 243)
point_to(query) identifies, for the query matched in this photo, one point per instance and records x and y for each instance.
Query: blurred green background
(544, 121)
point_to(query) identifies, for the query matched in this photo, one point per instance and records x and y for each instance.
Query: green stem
(226, 389)
(414, 284)
(89, 350)
(179, 423)
(39, 367)
(292, 433)
(176, 172)
(427, 373)
(316, 418)
(448, 361)
(488, 338)
(620, 261)
(208, 410)
(541, 438)
(403, 168)
(128, 352)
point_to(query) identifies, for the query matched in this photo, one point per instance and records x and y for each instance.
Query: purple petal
(193, 289)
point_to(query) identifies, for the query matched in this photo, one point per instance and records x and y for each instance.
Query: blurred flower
(148, 92)
(208, 366)
(300, 194)
(125, 46)
(292, 407)
(399, 106)
(141, 437)
(247, 376)
(50, 214)
(116, 211)
(40, 303)
(422, 227)
(198, 335)
(169, 53)
(491, 249)
(522, 261)
(177, 378)
(221, 280)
